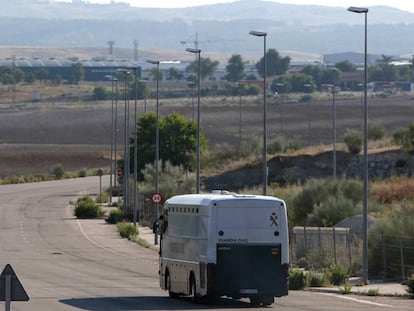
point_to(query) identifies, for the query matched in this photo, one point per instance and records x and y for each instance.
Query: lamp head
(258, 33)
(355, 9)
(191, 50)
(154, 62)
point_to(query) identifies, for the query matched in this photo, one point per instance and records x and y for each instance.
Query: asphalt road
(65, 265)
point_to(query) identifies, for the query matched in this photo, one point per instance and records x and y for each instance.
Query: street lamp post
(191, 85)
(264, 169)
(157, 137)
(135, 216)
(198, 52)
(111, 172)
(334, 71)
(364, 11)
(144, 82)
(126, 73)
(308, 86)
(240, 84)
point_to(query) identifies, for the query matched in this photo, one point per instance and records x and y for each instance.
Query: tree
(178, 139)
(301, 82)
(100, 93)
(276, 64)
(175, 74)
(41, 74)
(405, 138)
(346, 66)
(78, 72)
(235, 69)
(207, 67)
(281, 84)
(383, 72)
(153, 74)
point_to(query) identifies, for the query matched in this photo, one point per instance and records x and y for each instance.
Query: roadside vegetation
(87, 207)
(313, 202)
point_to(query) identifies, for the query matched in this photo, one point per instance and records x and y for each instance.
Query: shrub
(410, 284)
(353, 141)
(317, 279)
(375, 132)
(373, 292)
(346, 289)
(86, 207)
(115, 216)
(337, 275)
(297, 279)
(103, 197)
(82, 173)
(316, 198)
(405, 138)
(100, 93)
(127, 230)
(58, 171)
(392, 229)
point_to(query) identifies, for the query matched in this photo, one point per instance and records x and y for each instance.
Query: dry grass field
(63, 129)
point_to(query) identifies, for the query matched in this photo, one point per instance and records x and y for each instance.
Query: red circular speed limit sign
(156, 198)
(119, 172)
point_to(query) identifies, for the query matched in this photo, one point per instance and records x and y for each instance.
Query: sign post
(100, 173)
(10, 287)
(156, 199)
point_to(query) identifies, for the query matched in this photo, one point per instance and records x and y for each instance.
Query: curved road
(70, 264)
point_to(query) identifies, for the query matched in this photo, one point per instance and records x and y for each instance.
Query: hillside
(221, 28)
(36, 136)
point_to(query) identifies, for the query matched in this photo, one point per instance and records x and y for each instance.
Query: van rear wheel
(168, 286)
(261, 300)
(193, 290)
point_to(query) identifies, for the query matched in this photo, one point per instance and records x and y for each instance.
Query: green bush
(317, 279)
(410, 284)
(100, 93)
(297, 279)
(375, 132)
(405, 138)
(82, 173)
(353, 141)
(103, 197)
(337, 275)
(393, 228)
(127, 230)
(86, 207)
(115, 216)
(58, 171)
(317, 197)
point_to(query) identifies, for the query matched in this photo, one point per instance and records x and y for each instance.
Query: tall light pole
(309, 87)
(126, 73)
(111, 173)
(198, 53)
(364, 11)
(157, 127)
(135, 216)
(157, 135)
(144, 82)
(334, 71)
(264, 169)
(240, 84)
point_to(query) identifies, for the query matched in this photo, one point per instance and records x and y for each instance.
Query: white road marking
(359, 300)
(96, 244)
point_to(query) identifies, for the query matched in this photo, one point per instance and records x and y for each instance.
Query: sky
(406, 5)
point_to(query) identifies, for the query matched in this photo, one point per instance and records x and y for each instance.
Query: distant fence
(391, 257)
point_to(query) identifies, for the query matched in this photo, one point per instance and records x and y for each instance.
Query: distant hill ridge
(221, 27)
